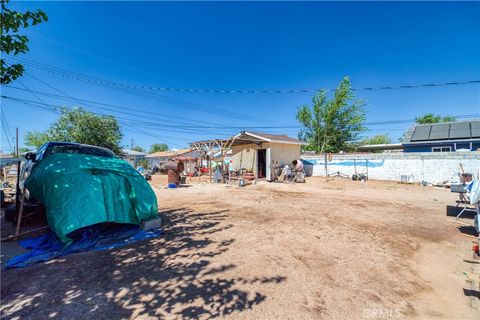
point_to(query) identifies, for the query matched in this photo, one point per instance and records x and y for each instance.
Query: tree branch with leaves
(157, 147)
(78, 125)
(433, 118)
(334, 124)
(11, 42)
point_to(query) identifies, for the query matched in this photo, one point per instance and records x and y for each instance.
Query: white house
(187, 156)
(258, 152)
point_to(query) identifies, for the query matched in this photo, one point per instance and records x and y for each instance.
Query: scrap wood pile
(460, 177)
(8, 186)
(288, 173)
(243, 176)
(469, 201)
(249, 175)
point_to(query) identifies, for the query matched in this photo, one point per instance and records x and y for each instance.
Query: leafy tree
(331, 125)
(426, 119)
(157, 147)
(138, 148)
(36, 138)
(433, 118)
(144, 163)
(23, 150)
(78, 125)
(378, 139)
(11, 41)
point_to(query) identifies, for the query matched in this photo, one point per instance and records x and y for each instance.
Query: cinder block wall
(430, 167)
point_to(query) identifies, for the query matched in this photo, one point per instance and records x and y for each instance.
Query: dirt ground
(336, 250)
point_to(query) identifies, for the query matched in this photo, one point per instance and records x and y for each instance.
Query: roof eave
(413, 143)
(299, 142)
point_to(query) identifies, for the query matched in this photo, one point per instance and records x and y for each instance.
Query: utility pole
(16, 142)
(326, 168)
(132, 144)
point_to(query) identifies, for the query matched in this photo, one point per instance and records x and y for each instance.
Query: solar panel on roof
(439, 131)
(475, 127)
(460, 130)
(421, 133)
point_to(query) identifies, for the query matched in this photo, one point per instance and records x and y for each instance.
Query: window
(40, 152)
(81, 149)
(441, 149)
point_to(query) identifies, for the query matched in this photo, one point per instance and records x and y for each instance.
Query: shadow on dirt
(171, 276)
(468, 230)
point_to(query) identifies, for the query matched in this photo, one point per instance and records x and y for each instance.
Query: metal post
(326, 168)
(210, 168)
(16, 142)
(366, 163)
(20, 214)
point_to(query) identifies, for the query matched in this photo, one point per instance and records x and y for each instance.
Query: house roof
(277, 138)
(446, 131)
(250, 137)
(439, 142)
(6, 159)
(6, 156)
(387, 146)
(129, 152)
(167, 154)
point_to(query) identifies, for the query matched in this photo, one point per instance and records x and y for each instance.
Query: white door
(269, 164)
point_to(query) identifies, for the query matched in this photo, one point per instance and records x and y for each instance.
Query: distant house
(6, 156)
(132, 156)
(188, 156)
(444, 137)
(7, 159)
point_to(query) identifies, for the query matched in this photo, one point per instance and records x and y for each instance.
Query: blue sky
(250, 45)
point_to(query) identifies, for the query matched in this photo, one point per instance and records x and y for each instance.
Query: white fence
(418, 167)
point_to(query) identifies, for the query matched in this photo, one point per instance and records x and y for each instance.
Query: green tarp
(81, 190)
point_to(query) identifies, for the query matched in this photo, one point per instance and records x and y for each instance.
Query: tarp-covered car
(81, 185)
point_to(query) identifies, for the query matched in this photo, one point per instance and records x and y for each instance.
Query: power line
(124, 121)
(92, 80)
(59, 44)
(34, 94)
(167, 116)
(179, 125)
(98, 56)
(4, 118)
(189, 127)
(136, 90)
(143, 94)
(56, 109)
(135, 128)
(4, 124)
(27, 89)
(171, 128)
(202, 130)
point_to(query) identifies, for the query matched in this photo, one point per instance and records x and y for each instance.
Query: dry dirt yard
(336, 250)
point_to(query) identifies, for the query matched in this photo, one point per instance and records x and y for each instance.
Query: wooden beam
(20, 214)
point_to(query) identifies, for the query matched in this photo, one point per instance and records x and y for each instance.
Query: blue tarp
(93, 238)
